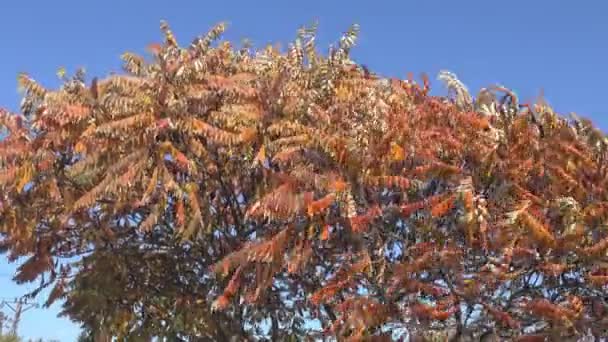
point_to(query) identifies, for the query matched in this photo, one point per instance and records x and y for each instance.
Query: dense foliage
(212, 193)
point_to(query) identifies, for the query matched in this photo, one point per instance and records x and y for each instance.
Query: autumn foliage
(211, 193)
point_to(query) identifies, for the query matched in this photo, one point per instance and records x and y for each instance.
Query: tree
(9, 338)
(15, 338)
(213, 193)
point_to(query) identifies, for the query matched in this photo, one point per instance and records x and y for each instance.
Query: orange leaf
(338, 185)
(180, 213)
(80, 147)
(320, 205)
(397, 152)
(248, 134)
(261, 156)
(360, 223)
(538, 230)
(234, 284)
(154, 48)
(325, 233)
(442, 207)
(220, 303)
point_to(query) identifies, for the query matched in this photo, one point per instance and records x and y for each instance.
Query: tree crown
(211, 191)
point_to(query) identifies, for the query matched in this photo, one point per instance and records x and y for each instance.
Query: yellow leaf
(343, 93)
(397, 152)
(21, 82)
(61, 73)
(311, 231)
(25, 177)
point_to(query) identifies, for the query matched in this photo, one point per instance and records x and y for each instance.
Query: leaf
(150, 188)
(57, 292)
(154, 48)
(397, 152)
(337, 185)
(304, 179)
(25, 176)
(148, 223)
(180, 213)
(182, 160)
(169, 37)
(325, 233)
(260, 157)
(221, 303)
(441, 208)
(61, 73)
(248, 134)
(538, 230)
(320, 205)
(80, 147)
(196, 216)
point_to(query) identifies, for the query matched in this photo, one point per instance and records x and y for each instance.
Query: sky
(560, 47)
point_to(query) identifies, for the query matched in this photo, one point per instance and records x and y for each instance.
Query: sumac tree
(213, 193)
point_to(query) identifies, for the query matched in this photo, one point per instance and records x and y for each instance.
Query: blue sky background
(560, 47)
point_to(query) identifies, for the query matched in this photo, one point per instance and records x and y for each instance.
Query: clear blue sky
(561, 47)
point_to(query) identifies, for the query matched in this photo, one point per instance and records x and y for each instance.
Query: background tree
(214, 193)
(15, 338)
(9, 338)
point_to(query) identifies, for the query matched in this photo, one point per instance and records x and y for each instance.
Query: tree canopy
(212, 193)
